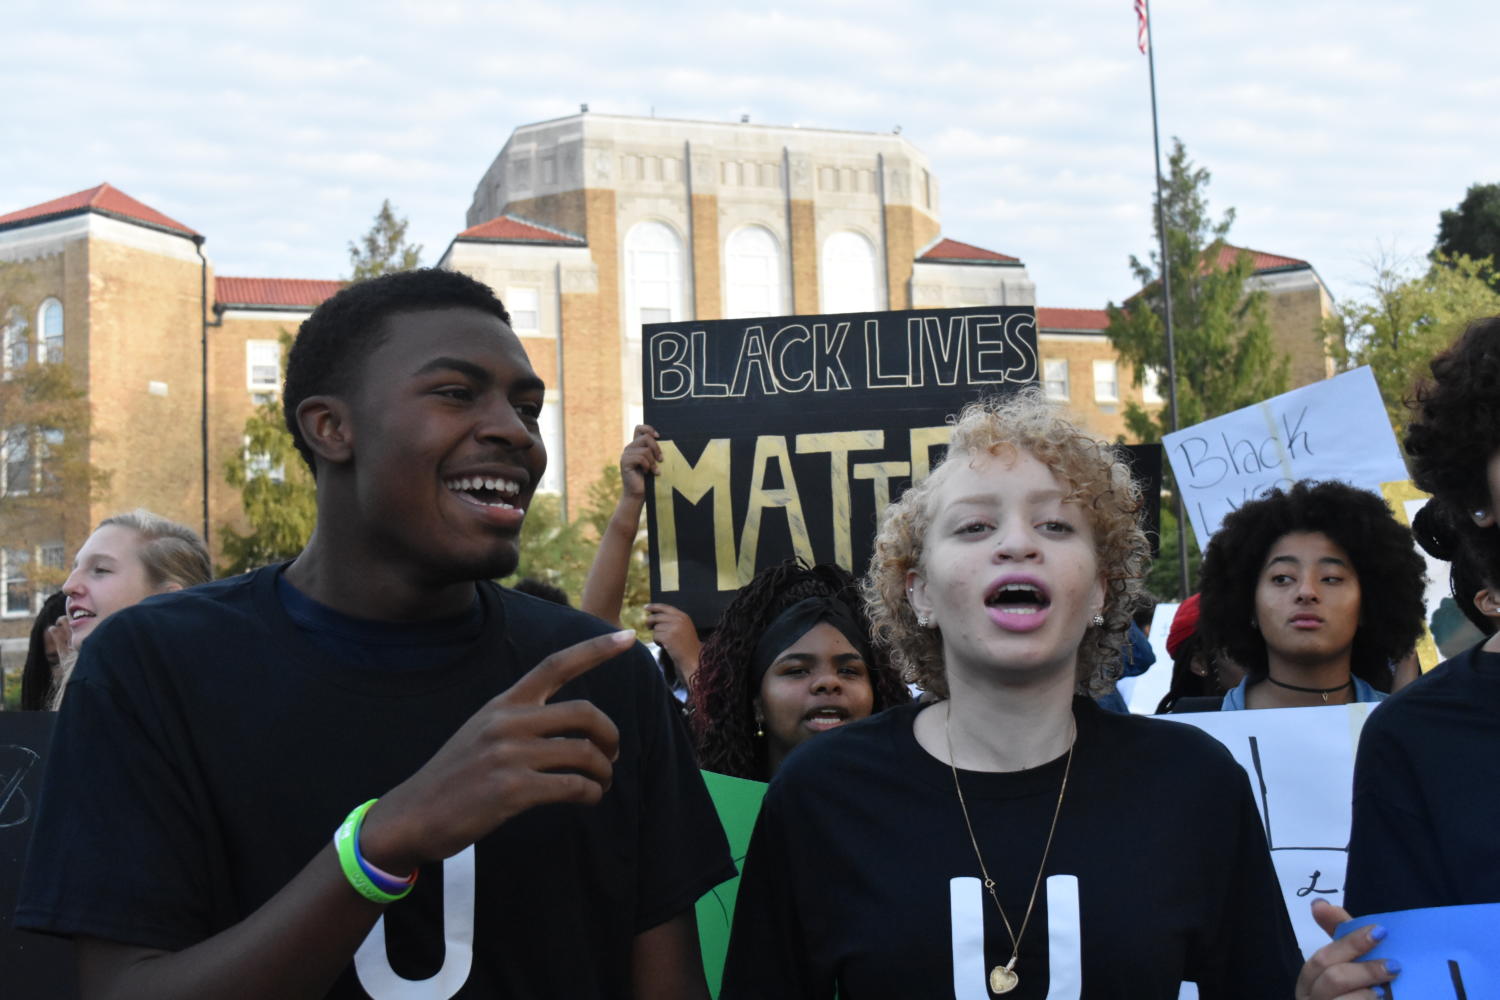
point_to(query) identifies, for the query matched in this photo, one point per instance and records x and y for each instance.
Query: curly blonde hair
(1096, 477)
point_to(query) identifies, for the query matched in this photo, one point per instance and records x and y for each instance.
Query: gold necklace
(1003, 978)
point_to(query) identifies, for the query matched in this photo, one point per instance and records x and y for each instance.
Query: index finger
(546, 678)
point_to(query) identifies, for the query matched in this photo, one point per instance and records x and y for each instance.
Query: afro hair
(1390, 570)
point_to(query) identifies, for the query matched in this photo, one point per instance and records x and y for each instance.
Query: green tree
(1473, 228)
(276, 488)
(560, 553)
(1225, 357)
(276, 492)
(1406, 317)
(46, 480)
(1163, 579)
(384, 248)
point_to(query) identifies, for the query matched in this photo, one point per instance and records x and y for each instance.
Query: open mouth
(499, 494)
(1018, 598)
(79, 615)
(828, 717)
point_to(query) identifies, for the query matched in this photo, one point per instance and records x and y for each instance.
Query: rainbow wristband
(370, 882)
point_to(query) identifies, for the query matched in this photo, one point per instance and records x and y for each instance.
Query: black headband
(795, 622)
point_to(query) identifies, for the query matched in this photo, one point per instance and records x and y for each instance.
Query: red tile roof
(104, 199)
(1260, 261)
(1071, 320)
(952, 250)
(273, 293)
(509, 229)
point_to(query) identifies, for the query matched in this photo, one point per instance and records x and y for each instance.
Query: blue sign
(1446, 952)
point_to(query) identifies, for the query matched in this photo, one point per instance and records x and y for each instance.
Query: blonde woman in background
(127, 559)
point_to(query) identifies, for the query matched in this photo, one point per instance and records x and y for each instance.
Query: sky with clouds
(1338, 130)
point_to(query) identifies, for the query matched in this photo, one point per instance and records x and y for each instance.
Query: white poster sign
(1144, 692)
(1300, 763)
(1334, 429)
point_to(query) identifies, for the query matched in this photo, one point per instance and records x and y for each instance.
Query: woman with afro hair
(789, 659)
(1427, 774)
(1315, 590)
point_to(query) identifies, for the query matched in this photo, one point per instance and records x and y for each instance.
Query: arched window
(653, 274)
(15, 343)
(49, 321)
(850, 281)
(752, 274)
(655, 286)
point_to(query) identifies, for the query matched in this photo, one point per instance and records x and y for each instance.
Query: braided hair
(723, 700)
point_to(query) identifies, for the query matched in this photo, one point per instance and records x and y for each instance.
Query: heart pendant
(1002, 980)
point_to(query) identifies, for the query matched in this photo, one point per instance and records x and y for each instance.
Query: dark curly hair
(332, 342)
(723, 701)
(1450, 535)
(1456, 427)
(36, 675)
(1391, 573)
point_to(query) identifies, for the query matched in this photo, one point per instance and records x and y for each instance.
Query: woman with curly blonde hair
(971, 844)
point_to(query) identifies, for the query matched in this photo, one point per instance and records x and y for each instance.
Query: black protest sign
(1145, 461)
(787, 436)
(31, 965)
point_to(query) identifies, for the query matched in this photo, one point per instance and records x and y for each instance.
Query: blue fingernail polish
(1392, 967)
(1378, 933)
(1380, 992)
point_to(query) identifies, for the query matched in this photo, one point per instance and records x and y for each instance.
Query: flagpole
(1166, 286)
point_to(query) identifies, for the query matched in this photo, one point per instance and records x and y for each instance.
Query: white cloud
(277, 128)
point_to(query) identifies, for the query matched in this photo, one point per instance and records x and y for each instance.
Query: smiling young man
(207, 829)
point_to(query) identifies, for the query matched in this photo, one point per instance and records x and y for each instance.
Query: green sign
(738, 802)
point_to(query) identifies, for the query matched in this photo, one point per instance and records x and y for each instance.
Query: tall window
(16, 469)
(263, 365)
(653, 272)
(1106, 382)
(850, 281)
(654, 293)
(752, 272)
(1055, 378)
(49, 320)
(15, 343)
(48, 448)
(1151, 383)
(258, 465)
(524, 306)
(15, 586)
(551, 426)
(53, 556)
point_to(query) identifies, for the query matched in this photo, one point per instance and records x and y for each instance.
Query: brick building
(587, 227)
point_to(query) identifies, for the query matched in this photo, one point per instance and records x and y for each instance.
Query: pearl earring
(1098, 621)
(923, 621)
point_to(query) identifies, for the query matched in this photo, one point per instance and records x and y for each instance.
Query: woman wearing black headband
(790, 658)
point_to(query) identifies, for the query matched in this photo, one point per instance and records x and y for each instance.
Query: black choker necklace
(1325, 692)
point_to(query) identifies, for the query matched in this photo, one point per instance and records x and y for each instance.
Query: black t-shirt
(1426, 828)
(207, 750)
(861, 875)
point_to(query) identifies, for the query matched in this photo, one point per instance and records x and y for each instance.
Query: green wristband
(344, 840)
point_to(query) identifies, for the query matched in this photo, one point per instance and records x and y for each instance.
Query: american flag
(1142, 31)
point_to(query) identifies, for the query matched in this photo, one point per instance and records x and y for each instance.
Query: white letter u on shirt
(373, 965)
(966, 900)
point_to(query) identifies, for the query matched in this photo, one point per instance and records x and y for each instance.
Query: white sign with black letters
(1334, 429)
(1300, 762)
